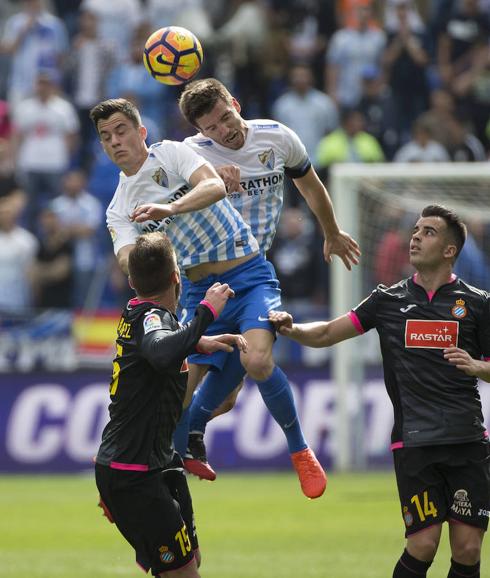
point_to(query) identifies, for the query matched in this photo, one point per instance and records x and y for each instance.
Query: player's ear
(236, 105)
(130, 282)
(175, 277)
(143, 132)
(450, 251)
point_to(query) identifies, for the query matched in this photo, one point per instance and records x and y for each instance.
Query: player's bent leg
(229, 402)
(276, 392)
(466, 543)
(196, 375)
(181, 434)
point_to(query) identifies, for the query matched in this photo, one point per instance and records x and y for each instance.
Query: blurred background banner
(52, 422)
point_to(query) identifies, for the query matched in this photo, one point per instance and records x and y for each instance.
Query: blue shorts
(256, 293)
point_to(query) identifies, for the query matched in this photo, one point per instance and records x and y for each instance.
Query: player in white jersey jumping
(253, 157)
(212, 243)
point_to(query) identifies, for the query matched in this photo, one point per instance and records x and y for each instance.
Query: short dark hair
(455, 226)
(107, 108)
(200, 97)
(151, 263)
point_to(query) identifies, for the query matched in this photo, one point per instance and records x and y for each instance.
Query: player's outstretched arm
(463, 360)
(315, 334)
(224, 342)
(207, 189)
(337, 242)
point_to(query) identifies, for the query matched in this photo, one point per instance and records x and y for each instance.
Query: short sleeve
(296, 161)
(122, 231)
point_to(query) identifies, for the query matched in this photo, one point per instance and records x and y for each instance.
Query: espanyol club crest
(160, 177)
(268, 159)
(459, 310)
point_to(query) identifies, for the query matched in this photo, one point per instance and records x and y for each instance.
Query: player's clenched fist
(151, 212)
(218, 294)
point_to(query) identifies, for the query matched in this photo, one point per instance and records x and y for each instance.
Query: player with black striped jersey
(434, 331)
(139, 475)
(253, 157)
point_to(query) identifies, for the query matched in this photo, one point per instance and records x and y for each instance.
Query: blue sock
(216, 387)
(181, 433)
(278, 397)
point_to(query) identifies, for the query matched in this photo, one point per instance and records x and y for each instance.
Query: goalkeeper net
(379, 205)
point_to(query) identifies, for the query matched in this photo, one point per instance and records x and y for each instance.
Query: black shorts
(153, 511)
(438, 483)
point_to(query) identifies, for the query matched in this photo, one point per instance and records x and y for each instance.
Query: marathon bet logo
(461, 504)
(431, 334)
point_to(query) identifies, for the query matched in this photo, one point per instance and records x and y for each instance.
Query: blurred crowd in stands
(359, 81)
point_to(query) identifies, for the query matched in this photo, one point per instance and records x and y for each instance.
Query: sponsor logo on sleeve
(431, 334)
(152, 322)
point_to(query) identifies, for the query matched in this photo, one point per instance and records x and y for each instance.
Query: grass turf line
(249, 525)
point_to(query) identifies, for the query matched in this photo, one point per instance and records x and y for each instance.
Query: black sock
(410, 567)
(458, 570)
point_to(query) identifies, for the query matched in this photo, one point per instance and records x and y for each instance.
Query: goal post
(378, 204)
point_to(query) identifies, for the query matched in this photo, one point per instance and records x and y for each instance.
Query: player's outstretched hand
(344, 246)
(462, 360)
(225, 342)
(282, 321)
(231, 177)
(151, 212)
(218, 294)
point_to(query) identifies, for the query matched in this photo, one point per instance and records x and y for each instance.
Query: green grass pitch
(250, 526)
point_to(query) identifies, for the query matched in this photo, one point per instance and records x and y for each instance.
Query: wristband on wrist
(210, 307)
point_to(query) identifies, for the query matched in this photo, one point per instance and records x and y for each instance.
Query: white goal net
(378, 205)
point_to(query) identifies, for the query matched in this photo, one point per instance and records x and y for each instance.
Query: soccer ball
(173, 55)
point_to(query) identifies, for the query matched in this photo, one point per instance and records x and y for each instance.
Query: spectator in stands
(465, 147)
(466, 29)
(473, 264)
(439, 117)
(81, 217)
(349, 143)
(68, 11)
(18, 249)
(131, 77)
(405, 60)
(472, 90)
(51, 273)
(306, 110)
(422, 148)
(36, 40)
(88, 65)
(391, 256)
(295, 258)
(116, 22)
(46, 129)
(378, 108)
(349, 51)
(191, 14)
(241, 45)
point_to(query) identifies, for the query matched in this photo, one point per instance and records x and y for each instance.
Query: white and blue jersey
(215, 233)
(270, 151)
